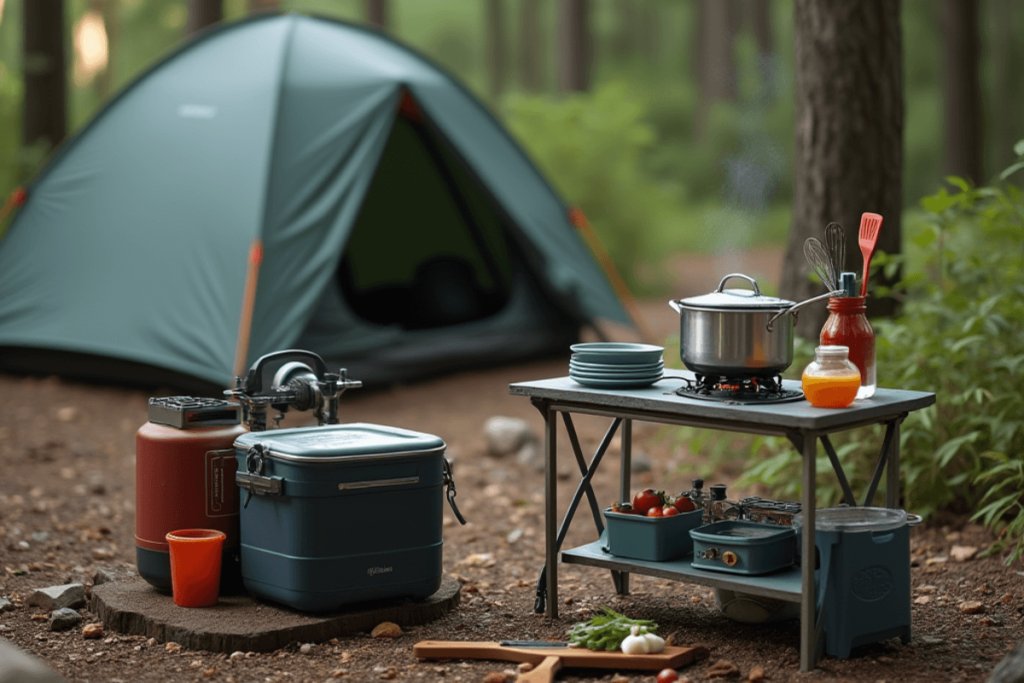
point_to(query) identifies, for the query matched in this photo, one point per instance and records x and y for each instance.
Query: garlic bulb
(640, 642)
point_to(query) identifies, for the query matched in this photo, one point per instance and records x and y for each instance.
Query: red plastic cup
(195, 566)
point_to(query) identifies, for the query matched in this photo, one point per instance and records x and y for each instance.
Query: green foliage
(607, 631)
(590, 147)
(961, 335)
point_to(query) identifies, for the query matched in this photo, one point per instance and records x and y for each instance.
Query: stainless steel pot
(737, 332)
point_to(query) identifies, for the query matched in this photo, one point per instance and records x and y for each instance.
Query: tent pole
(579, 219)
(248, 303)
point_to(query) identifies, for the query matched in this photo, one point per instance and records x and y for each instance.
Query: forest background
(671, 124)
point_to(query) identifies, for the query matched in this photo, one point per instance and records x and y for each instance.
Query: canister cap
(187, 412)
(855, 519)
(334, 442)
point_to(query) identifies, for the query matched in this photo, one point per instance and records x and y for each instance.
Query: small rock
(102, 553)
(390, 674)
(386, 629)
(971, 607)
(514, 536)
(926, 589)
(67, 414)
(756, 674)
(64, 618)
(235, 656)
(723, 669)
(932, 640)
(495, 677)
(941, 559)
(6, 605)
(57, 597)
(24, 545)
(922, 600)
(172, 647)
(529, 454)
(480, 560)
(40, 536)
(506, 435)
(1011, 668)
(92, 631)
(962, 553)
(306, 648)
(151, 642)
(108, 574)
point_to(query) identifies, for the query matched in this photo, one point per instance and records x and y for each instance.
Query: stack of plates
(615, 365)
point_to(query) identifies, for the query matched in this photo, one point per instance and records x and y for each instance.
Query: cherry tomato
(655, 511)
(647, 499)
(669, 511)
(684, 504)
(667, 676)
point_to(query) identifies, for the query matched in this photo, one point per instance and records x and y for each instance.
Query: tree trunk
(574, 45)
(532, 55)
(716, 25)
(848, 154)
(44, 105)
(497, 63)
(202, 13)
(1004, 52)
(264, 6)
(377, 14)
(962, 89)
(110, 10)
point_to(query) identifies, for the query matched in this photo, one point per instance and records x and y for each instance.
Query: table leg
(807, 594)
(892, 470)
(551, 509)
(626, 472)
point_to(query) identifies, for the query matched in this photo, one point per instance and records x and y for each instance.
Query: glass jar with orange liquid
(831, 380)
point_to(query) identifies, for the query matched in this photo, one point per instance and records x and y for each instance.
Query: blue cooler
(340, 514)
(865, 575)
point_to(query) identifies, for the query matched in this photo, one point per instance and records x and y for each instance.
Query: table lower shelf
(784, 584)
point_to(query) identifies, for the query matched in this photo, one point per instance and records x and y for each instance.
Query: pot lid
(743, 299)
(855, 519)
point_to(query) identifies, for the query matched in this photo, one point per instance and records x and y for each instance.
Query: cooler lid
(855, 519)
(355, 441)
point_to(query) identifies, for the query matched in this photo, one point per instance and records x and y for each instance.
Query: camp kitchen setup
(845, 571)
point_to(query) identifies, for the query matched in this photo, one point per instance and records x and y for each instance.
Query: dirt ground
(67, 508)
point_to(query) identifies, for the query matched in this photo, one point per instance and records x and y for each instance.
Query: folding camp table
(801, 423)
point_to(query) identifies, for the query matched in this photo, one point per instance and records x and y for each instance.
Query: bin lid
(855, 519)
(341, 442)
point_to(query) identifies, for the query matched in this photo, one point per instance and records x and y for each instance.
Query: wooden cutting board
(549, 660)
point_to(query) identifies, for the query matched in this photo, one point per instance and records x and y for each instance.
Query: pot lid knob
(718, 492)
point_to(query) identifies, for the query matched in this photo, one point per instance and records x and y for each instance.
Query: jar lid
(740, 299)
(855, 519)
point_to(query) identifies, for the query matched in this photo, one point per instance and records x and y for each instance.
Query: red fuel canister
(185, 479)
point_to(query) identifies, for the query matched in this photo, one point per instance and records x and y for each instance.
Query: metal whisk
(835, 243)
(818, 258)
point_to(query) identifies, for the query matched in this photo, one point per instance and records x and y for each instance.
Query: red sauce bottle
(848, 325)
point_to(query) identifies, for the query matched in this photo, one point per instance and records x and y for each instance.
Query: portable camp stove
(779, 512)
(747, 390)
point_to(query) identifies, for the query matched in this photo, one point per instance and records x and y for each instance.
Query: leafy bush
(590, 145)
(960, 335)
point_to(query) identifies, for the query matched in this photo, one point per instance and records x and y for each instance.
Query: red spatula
(870, 223)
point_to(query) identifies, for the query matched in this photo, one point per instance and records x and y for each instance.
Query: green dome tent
(403, 231)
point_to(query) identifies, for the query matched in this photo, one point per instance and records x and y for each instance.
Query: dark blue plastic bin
(651, 538)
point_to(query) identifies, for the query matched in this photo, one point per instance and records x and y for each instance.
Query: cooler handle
(400, 481)
(450, 493)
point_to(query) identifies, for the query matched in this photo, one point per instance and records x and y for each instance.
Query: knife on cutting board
(548, 657)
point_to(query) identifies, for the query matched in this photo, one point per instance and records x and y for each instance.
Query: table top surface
(660, 400)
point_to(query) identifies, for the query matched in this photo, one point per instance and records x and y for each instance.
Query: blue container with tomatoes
(657, 539)
(340, 514)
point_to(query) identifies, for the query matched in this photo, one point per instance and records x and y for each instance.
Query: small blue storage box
(741, 547)
(340, 514)
(651, 538)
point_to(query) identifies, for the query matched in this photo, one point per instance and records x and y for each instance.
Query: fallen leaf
(480, 560)
(923, 600)
(756, 674)
(172, 647)
(723, 669)
(92, 631)
(962, 553)
(386, 629)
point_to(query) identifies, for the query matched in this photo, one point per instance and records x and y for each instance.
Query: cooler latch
(449, 489)
(253, 480)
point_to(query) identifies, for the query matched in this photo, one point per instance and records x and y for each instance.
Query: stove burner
(738, 390)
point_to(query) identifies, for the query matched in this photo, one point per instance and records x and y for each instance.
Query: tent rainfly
(403, 233)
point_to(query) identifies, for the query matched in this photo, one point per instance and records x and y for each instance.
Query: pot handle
(795, 307)
(677, 306)
(752, 281)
